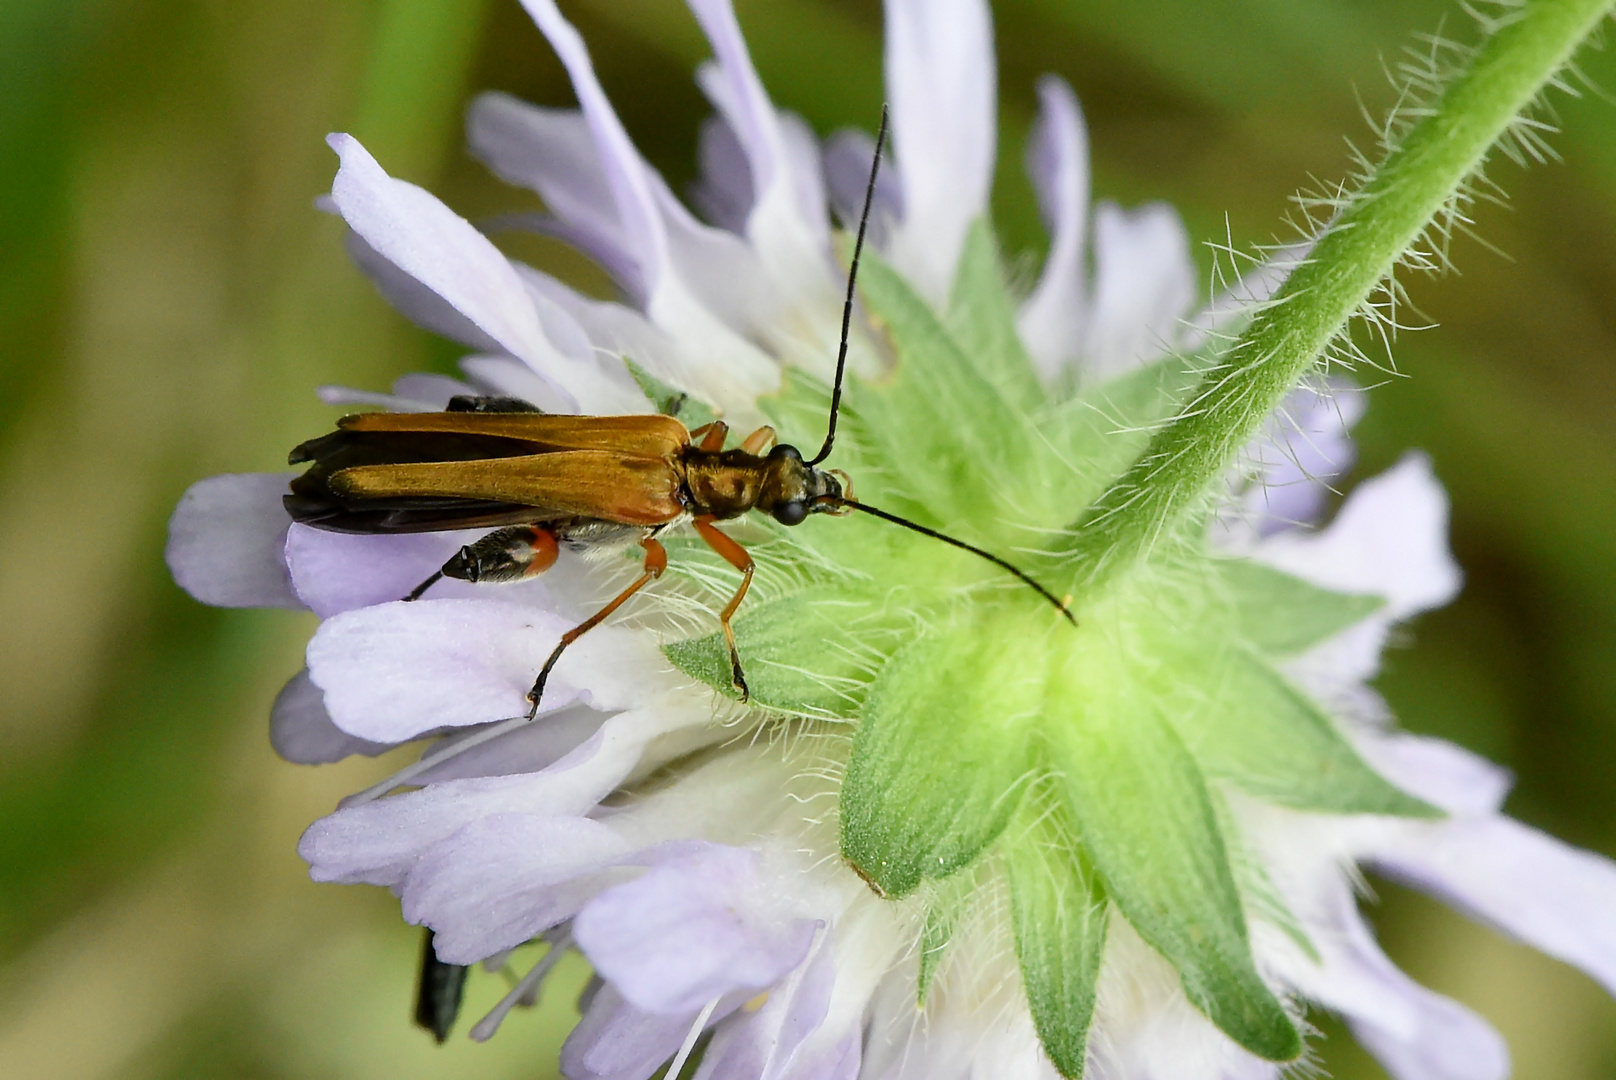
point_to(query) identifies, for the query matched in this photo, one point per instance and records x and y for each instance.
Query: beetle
(543, 481)
(546, 481)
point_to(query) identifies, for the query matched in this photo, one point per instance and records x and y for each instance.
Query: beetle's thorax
(725, 483)
(728, 483)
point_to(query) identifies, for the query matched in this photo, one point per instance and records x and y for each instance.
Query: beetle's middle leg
(737, 557)
(656, 561)
(509, 554)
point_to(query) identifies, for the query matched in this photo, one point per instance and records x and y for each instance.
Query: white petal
(226, 541)
(1416, 1034)
(1444, 775)
(941, 82)
(1144, 283)
(1557, 898)
(507, 878)
(414, 300)
(431, 243)
(1389, 539)
(717, 362)
(510, 377)
(301, 730)
(620, 331)
(393, 671)
(1052, 320)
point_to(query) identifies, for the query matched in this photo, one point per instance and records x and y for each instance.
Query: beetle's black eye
(783, 451)
(791, 512)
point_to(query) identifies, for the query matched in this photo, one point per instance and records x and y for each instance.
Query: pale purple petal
(506, 878)
(1559, 899)
(620, 331)
(335, 572)
(693, 929)
(1304, 449)
(616, 1041)
(377, 842)
(1053, 319)
(554, 153)
(1246, 296)
(840, 1062)
(301, 730)
(414, 300)
(1416, 1034)
(715, 361)
(790, 235)
(762, 1045)
(846, 160)
(394, 671)
(509, 377)
(411, 393)
(625, 173)
(941, 82)
(530, 748)
(1389, 539)
(225, 541)
(723, 193)
(426, 240)
(1144, 283)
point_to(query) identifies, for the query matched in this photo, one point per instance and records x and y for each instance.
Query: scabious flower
(950, 835)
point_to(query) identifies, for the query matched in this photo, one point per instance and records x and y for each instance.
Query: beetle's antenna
(1057, 604)
(852, 278)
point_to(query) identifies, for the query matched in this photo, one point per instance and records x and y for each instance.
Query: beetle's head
(793, 489)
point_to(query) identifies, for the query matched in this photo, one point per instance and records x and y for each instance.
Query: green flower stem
(1416, 180)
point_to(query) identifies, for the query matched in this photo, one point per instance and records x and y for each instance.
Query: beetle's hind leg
(656, 561)
(509, 554)
(736, 556)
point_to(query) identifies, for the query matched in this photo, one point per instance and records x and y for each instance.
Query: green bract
(1092, 759)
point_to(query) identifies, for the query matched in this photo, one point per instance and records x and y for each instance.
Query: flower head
(949, 834)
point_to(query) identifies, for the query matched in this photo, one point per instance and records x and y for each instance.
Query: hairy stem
(1420, 176)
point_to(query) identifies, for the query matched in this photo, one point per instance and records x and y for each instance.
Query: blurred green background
(169, 299)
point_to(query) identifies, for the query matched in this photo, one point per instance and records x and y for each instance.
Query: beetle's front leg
(509, 554)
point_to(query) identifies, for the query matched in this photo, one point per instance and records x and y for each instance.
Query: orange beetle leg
(760, 440)
(656, 561)
(737, 557)
(710, 437)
